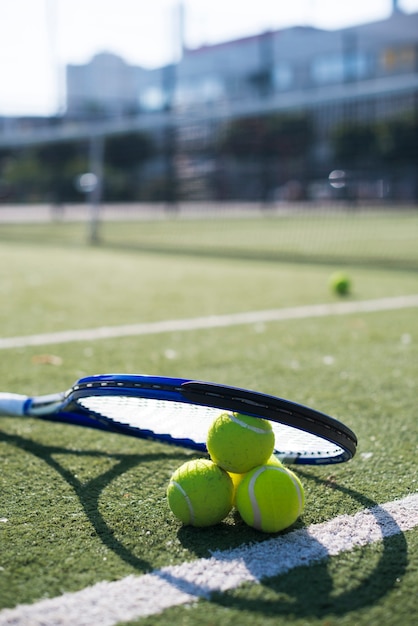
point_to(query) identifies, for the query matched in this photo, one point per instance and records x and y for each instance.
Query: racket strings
(181, 421)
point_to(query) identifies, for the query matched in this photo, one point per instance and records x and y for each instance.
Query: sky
(38, 38)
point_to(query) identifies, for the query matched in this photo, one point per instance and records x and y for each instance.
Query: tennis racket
(180, 411)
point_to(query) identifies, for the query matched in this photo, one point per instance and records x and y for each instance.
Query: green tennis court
(80, 507)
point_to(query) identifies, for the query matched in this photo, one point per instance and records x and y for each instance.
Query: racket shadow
(311, 592)
(89, 492)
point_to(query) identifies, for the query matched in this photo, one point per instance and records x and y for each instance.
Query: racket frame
(65, 407)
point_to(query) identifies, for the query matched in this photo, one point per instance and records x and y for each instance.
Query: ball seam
(255, 429)
(257, 521)
(188, 501)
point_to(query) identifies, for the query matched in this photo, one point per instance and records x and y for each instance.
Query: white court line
(212, 321)
(133, 597)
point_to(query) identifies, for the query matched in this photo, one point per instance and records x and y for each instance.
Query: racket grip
(13, 404)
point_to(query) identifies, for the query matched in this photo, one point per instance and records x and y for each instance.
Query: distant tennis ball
(340, 283)
(200, 493)
(270, 498)
(237, 442)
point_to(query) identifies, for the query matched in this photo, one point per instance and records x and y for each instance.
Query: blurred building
(331, 80)
(288, 68)
(301, 65)
(106, 85)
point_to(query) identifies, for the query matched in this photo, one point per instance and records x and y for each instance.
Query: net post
(96, 152)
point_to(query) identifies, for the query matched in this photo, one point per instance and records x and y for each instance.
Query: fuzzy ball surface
(237, 478)
(200, 493)
(270, 498)
(237, 442)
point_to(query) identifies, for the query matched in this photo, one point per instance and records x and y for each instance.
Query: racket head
(180, 411)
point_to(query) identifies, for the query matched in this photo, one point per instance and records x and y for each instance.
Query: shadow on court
(336, 586)
(89, 492)
(347, 583)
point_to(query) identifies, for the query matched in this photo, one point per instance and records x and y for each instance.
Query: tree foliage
(278, 135)
(128, 151)
(355, 143)
(50, 172)
(398, 140)
(388, 142)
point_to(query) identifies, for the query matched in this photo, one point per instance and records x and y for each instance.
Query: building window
(338, 68)
(327, 69)
(201, 91)
(152, 99)
(282, 76)
(397, 60)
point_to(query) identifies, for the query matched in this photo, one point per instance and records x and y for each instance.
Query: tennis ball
(237, 478)
(237, 442)
(270, 498)
(200, 493)
(273, 460)
(340, 283)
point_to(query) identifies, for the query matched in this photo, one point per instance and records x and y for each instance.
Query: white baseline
(133, 597)
(212, 321)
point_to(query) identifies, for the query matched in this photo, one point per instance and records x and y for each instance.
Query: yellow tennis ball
(237, 442)
(237, 478)
(273, 460)
(200, 493)
(270, 498)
